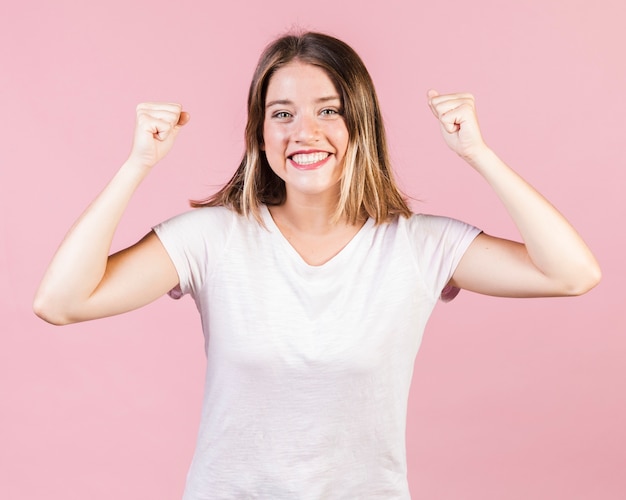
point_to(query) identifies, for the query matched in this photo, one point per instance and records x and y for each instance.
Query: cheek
(272, 138)
(342, 139)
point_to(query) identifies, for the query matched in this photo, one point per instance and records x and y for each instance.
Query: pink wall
(511, 399)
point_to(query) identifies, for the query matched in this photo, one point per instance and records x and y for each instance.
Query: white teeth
(310, 158)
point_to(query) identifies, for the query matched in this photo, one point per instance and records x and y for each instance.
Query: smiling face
(304, 133)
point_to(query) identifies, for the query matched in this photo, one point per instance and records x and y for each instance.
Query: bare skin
(553, 260)
(83, 282)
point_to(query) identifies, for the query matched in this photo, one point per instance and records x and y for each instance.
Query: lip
(310, 166)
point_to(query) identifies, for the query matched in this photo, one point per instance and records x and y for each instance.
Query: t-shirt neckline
(335, 260)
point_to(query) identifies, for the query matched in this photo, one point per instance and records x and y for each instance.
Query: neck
(311, 218)
(311, 214)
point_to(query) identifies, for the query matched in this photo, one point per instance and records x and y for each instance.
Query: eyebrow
(284, 102)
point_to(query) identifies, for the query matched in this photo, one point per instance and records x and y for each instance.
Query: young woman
(313, 279)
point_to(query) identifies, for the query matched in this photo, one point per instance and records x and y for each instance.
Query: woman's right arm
(83, 282)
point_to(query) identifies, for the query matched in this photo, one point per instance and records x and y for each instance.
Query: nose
(306, 129)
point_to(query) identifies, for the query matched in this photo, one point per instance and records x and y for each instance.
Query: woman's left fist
(459, 123)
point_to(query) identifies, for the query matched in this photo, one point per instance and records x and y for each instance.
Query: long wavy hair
(367, 185)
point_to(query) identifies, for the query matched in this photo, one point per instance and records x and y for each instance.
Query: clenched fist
(459, 124)
(156, 128)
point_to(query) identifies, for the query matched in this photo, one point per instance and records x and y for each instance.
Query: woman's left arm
(552, 261)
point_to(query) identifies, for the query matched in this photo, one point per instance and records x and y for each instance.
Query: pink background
(512, 399)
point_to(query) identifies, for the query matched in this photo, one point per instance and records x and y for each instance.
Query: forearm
(80, 262)
(553, 245)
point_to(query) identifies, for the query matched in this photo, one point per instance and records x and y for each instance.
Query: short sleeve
(194, 241)
(439, 244)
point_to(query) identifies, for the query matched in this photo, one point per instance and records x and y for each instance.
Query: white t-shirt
(308, 367)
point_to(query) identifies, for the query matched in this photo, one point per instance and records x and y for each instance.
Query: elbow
(44, 308)
(585, 280)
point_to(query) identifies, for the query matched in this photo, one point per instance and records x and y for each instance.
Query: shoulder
(428, 221)
(199, 221)
(438, 243)
(196, 241)
(437, 234)
(435, 226)
(205, 227)
(203, 215)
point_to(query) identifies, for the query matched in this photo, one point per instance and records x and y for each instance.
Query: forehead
(298, 79)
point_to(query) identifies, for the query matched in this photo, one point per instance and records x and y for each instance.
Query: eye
(281, 115)
(329, 112)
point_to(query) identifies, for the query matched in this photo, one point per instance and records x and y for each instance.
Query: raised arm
(82, 281)
(553, 260)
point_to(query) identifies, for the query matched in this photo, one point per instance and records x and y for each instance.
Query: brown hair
(367, 184)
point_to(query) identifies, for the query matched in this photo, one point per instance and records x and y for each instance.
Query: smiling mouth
(309, 159)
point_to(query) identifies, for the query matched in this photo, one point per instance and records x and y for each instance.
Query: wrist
(132, 173)
(480, 157)
(135, 168)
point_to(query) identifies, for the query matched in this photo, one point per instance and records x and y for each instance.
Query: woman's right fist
(156, 128)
